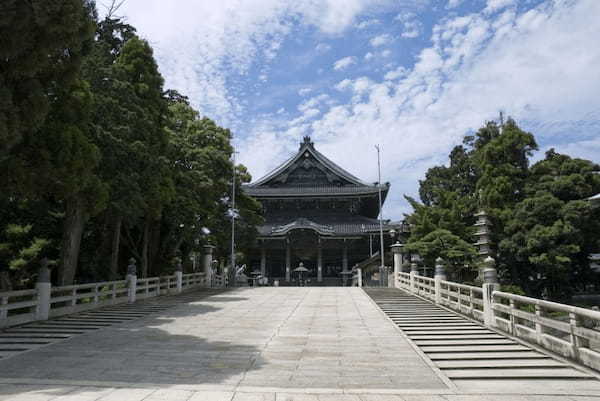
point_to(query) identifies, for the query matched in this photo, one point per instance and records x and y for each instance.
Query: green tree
(553, 230)
(41, 46)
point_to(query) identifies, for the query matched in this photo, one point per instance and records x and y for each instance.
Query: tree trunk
(145, 242)
(114, 251)
(154, 248)
(5, 283)
(71, 241)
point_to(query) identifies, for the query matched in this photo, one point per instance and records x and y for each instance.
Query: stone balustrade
(566, 330)
(46, 301)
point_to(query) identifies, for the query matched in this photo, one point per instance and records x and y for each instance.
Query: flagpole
(381, 267)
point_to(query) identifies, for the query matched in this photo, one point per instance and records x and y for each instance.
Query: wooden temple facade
(317, 214)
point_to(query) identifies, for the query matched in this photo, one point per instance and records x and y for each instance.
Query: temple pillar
(288, 261)
(263, 261)
(345, 257)
(319, 263)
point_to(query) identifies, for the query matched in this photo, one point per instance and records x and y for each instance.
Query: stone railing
(357, 279)
(46, 301)
(218, 281)
(566, 330)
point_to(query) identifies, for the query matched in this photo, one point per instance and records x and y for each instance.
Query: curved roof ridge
(307, 145)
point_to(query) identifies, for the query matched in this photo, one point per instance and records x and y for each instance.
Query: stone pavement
(247, 344)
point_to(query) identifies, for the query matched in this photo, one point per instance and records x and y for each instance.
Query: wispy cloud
(380, 40)
(344, 63)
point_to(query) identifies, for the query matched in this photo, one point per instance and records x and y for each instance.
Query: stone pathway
(246, 344)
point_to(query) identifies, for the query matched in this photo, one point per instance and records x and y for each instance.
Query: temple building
(318, 215)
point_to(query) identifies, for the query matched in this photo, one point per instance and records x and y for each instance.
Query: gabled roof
(323, 163)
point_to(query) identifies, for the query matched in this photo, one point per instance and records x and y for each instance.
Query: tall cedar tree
(41, 46)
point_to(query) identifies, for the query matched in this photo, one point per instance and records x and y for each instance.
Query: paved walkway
(248, 344)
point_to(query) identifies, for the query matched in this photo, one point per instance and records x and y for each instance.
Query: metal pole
(233, 268)
(381, 267)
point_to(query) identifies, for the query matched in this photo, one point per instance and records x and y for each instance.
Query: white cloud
(367, 23)
(538, 66)
(304, 91)
(380, 40)
(323, 48)
(411, 26)
(411, 29)
(395, 74)
(386, 53)
(454, 3)
(199, 59)
(344, 63)
(369, 56)
(495, 5)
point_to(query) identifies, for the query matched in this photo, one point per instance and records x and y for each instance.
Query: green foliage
(542, 228)
(41, 46)
(458, 255)
(110, 160)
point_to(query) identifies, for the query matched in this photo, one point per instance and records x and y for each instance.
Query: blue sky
(411, 75)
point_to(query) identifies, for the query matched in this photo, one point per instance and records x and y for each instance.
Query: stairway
(18, 339)
(464, 350)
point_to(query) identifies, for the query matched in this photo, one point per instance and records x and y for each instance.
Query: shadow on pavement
(178, 346)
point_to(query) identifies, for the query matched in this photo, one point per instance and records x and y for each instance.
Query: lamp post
(233, 213)
(381, 266)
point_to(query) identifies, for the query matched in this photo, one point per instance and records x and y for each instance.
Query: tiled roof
(312, 191)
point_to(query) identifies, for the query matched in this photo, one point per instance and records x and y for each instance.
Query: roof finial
(306, 141)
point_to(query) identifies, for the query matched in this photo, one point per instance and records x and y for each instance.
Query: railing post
(576, 341)
(44, 292)
(413, 272)
(397, 252)
(132, 280)
(179, 276)
(490, 284)
(207, 261)
(439, 275)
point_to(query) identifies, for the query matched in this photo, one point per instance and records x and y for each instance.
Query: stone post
(414, 271)
(490, 284)
(179, 276)
(359, 276)
(439, 275)
(207, 261)
(288, 261)
(44, 290)
(319, 263)
(397, 252)
(131, 280)
(263, 261)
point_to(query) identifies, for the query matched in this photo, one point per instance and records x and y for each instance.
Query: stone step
(472, 348)
(466, 342)
(61, 326)
(467, 331)
(16, 347)
(515, 373)
(438, 326)
(446, 356)
(81, 322)
(450, 337)
(44, 331)
(500, 363)
(35, 335)
(24, 341)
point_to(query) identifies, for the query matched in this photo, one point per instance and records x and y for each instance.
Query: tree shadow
(180, 345)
